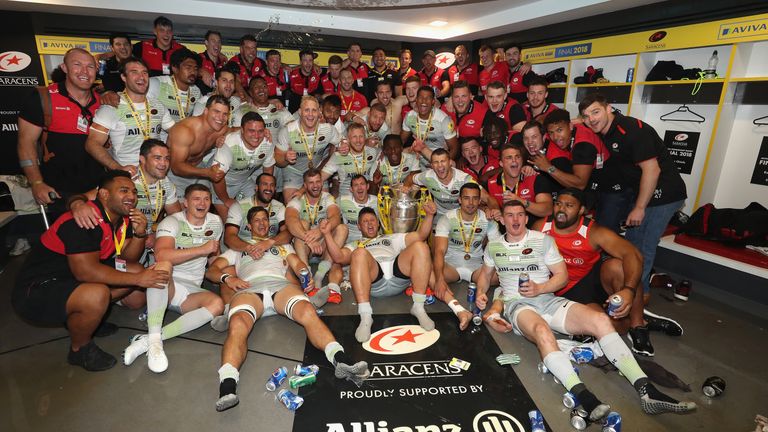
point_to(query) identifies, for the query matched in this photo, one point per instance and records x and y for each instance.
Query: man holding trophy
(384, 265)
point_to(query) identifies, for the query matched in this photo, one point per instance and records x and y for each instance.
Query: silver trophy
(401, 210)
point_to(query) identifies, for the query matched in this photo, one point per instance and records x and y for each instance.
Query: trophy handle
(385, 203)
(424, 197)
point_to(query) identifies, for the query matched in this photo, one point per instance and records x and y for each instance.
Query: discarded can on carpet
(581, 355)
(713, 386)
(291, 400)
(277, 378)
(570, 401)
(306, 370)
(537, 421)
(612, 422)
(297, 381)
(579, 418)
(304, 277)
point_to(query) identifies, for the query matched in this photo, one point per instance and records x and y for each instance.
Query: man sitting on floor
(265, 287)
(384, 265)
(592, 279)
(531, 310)
(185, 239)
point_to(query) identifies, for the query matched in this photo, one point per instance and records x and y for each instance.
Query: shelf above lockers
(614, 68)
(690, 58)
(750, 93)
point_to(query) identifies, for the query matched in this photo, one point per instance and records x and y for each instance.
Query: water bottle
(711, 71)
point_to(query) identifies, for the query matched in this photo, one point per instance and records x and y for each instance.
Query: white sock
(157, 302)
(363, 332)
(558, 363)
(228, 371)
(322, 269)
(330, 351)
(418, 311)
(617, 352)
(187, 322)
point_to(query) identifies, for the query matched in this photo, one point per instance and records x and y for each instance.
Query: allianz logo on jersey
(484, 421)
(138, 132)
(528, 268)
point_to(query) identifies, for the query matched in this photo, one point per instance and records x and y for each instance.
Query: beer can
(630, 74)
(523, 278)
(537, 421)
(304, 277)
(614, 303)
(713, 386)
(542, 368)
(477, 320)
(291, 400)
(581, 355)
(579, 418)
(102, 67)
(570, 401)
(277, 378)
(306, 370)
(612, 422)
(472, 300)
(297, 381)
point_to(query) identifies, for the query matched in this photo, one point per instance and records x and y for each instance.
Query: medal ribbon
(145, 128)
(312, 217)
(358, 170)
(305, 143)
(504, 185)
(182, 112)
(418, 126)
(158, 197)
(467, 243)
(361, 244)
(122, 230)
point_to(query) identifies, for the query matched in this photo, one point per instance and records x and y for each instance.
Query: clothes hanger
(760, 121)
(683, 109)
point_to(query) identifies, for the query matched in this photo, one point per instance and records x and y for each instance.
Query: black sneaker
(584, 339)
(641, 341)
(91, 358)
(662, 324)
(105, 329)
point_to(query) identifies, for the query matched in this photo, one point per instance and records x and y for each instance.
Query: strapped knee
(292, 302)
(246, 308)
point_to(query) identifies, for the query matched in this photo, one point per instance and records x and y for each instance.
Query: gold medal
(467, 238)
(467, 257)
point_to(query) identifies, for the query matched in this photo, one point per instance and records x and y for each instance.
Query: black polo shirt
(631, 141)
(48, 258)
(111, 78)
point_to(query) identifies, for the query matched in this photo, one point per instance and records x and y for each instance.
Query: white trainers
(156, 359)
(139, 345)
(21, 247)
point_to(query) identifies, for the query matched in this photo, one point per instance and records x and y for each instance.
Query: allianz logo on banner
(485, 421)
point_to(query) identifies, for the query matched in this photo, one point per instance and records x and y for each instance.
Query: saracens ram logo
(401, 339)
(14, 61)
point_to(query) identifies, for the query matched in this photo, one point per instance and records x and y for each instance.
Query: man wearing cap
(433, 76)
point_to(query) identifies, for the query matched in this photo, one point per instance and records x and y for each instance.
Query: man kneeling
(381, 265)
(262, 289)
